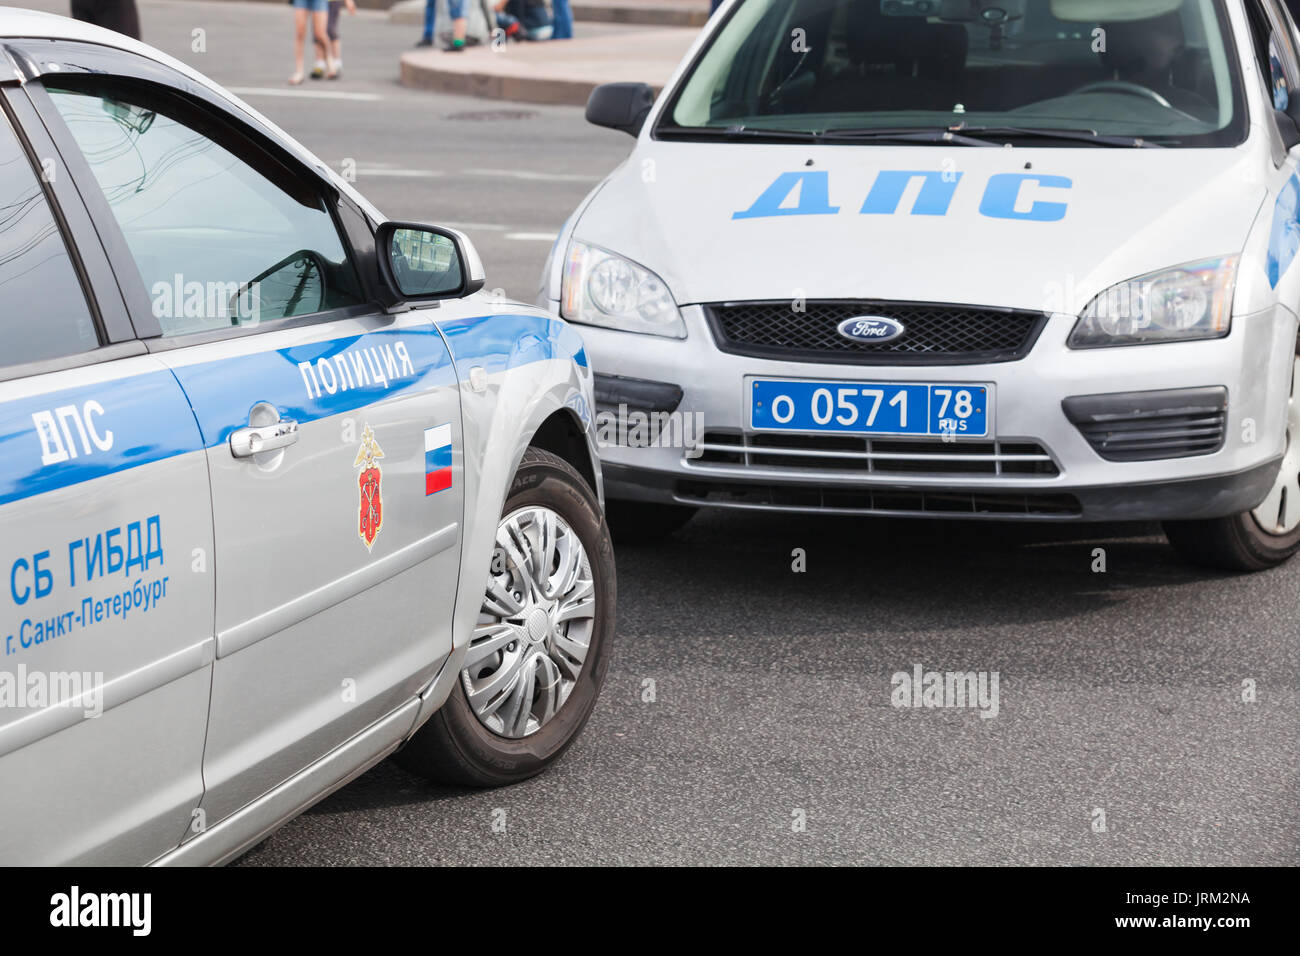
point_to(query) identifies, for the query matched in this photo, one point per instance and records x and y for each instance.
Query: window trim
(90, 266)
(166, 343)
(105, 353)
(220, 123)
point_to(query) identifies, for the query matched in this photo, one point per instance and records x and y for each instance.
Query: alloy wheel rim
(1279, 513)
(535, 626)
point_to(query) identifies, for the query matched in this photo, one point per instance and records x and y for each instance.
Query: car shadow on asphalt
(768, 569)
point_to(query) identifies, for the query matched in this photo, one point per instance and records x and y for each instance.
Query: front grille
(884, 502)
(903, 457)
(933, 334)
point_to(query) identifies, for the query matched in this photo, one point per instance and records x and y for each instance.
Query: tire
(639, 522)
(457, 746)
(1236, 543)
(1254, 540)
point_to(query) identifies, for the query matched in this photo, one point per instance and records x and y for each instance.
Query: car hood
(718, 222)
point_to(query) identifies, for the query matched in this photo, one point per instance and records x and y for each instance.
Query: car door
(106, 613)
(332, 429)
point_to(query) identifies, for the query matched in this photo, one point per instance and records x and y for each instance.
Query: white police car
(279, 493)
(1024, 259)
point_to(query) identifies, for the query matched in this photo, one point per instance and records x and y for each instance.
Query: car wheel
(1259, 539)
(637, 522)
(540, 651)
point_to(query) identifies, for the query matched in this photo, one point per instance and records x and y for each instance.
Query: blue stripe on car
(1284, 240)
(499, 342)
(147, 415)
(152, 421)
(223, 392)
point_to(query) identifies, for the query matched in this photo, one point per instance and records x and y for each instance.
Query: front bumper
(1186, 499)
(1038, 464)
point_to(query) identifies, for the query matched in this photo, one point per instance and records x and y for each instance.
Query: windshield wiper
(1047, 132)
(902, 135)
(955, 136)
(905, 134)
(742, 132)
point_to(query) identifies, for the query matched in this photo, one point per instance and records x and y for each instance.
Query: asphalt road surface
(1147, 713)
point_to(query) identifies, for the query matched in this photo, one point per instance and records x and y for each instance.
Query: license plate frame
(893, 418)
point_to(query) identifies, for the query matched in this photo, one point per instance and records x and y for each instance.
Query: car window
(1283, 71)
(218, 243)
(1162, 70)
(43, 308)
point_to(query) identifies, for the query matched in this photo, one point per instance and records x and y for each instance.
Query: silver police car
(280, 492)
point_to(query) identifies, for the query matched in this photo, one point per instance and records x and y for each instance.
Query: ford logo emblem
(870, 328)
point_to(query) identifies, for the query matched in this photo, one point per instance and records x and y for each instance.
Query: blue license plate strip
(916, 409)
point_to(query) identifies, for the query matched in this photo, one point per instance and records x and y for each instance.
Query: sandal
(296, 79)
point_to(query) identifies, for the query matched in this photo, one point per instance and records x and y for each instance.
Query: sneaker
(425, 41)
(318, 70)
(455, 46)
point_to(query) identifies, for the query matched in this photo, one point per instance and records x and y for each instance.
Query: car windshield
(1161, 72)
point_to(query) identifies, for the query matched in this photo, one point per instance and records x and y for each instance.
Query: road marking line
(526, 174)
(383, 170)
(531, 236)
(409, 173)
(303, 94)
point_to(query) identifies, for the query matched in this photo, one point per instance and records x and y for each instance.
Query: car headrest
(876, 38)
(1131, 44)
(1112, 11)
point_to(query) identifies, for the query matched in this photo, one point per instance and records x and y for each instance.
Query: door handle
(247, 442)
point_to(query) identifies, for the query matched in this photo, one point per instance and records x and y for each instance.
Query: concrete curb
(664, 13)
(557, 92)
(554, 91)
(652, 14)
(557, 73)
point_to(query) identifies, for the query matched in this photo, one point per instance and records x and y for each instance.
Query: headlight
(601, 288)
(1192, 301)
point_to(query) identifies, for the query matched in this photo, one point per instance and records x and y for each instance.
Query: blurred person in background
(329, 60)
(525, 19)
(459, 23)
(563, 15)
(318, 12)
(119, 15)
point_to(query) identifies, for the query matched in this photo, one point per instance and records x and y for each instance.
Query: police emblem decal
(371, 517)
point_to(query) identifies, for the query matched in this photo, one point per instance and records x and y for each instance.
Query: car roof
(17, 23)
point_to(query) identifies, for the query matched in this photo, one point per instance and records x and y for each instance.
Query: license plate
(857, 408)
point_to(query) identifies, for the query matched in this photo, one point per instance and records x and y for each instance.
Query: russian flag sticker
(437, 459)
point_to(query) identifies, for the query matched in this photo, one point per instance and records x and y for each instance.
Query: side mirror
(1288, 125)
(620, 106)
(422, 263)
